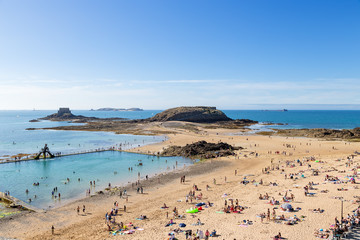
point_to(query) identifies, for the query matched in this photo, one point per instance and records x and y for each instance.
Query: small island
(64, 114)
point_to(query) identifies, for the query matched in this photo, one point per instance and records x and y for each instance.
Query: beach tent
(182, 225)
(286, 206)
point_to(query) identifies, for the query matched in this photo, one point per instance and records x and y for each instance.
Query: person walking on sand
(52, 229)
(207, 235)
(83, 208)
(78, 210)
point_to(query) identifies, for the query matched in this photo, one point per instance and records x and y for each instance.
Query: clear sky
(157, 54)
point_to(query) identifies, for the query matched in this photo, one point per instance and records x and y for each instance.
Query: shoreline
(127, 183)
(154, 182)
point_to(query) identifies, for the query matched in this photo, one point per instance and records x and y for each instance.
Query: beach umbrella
(286, 206)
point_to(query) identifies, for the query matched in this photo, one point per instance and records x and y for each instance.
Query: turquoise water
(103, 167)
(333, 119)
(14, 138)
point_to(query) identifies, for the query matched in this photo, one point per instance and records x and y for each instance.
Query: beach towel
(243, 225)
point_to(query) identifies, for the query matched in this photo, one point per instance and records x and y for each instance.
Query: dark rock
(322, 133)
(201, 149)
(191, 114)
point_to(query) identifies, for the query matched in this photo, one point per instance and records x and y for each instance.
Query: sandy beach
(278, 154)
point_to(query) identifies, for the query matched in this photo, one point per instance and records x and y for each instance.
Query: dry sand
(91, 225)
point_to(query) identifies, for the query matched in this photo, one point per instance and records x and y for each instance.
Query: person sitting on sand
(232, 208)
(226, 210)
(277, 236)
(164, 206)
(266, 196)
(109, 227)
(113, 220)
(171, 222)
(142, 217)
(318, 210)
(274, 202)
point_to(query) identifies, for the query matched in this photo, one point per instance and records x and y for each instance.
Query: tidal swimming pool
(102, 167)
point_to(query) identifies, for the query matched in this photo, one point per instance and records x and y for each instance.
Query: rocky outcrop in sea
(191, 114)
(64, 114)
(202, 150)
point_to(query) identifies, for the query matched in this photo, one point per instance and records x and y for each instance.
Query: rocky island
(202, 150)
(64, 114)
(191, 114)
(200, 114)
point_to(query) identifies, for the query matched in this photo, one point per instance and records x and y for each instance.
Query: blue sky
(157, 54)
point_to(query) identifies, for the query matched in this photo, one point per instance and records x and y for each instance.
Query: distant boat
(282, 110)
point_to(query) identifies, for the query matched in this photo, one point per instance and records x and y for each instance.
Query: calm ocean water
(333, 119)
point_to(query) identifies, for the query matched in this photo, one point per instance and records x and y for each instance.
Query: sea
(112, 166)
